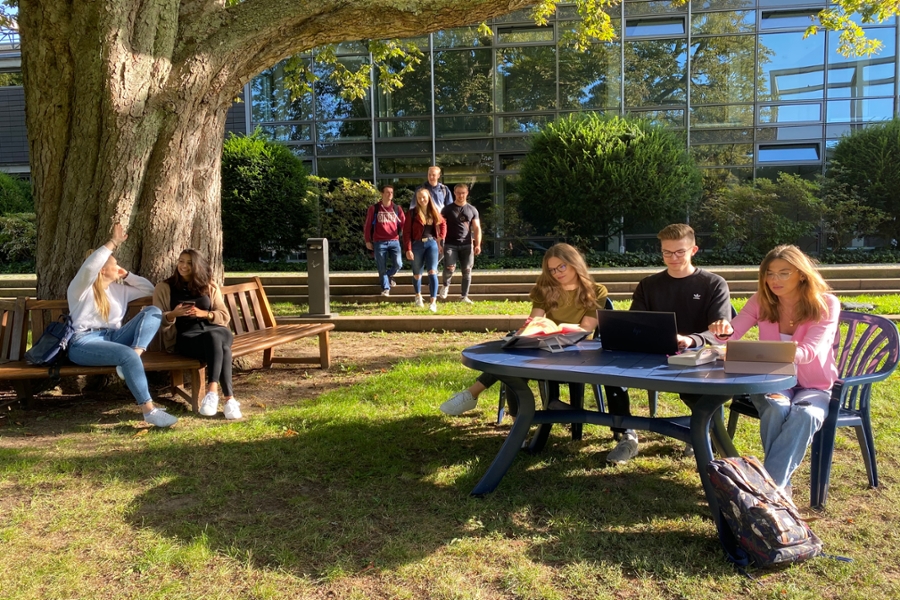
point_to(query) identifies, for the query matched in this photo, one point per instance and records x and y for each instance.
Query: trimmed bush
(15, 195)
(588, 177)
(867, 160)
(265, 209)
(342, 209)
(18, 238)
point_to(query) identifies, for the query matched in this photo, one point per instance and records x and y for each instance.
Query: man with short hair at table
(697, 297)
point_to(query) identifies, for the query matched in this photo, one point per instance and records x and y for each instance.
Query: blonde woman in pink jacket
(792, 303)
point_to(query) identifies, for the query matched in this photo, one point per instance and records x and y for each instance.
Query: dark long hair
(200, 275)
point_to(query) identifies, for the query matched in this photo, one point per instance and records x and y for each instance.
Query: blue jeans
(425, 257)
(106, 347)
(788, 421)
(384, 251)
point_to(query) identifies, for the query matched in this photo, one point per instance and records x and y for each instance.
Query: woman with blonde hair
(791, 303)
(195, 324)
(564, 293)
(97, 306)
(423, 238)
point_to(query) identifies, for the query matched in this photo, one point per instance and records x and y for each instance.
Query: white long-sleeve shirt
(80, 294)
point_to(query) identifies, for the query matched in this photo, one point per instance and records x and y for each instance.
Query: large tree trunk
(125, 106)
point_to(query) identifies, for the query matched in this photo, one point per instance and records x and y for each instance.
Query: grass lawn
(351, 484)
(884, 305)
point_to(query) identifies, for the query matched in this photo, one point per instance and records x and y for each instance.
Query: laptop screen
(638, 331)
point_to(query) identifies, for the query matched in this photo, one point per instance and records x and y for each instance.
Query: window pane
(287, 133)
(332, 131)
(524, 123)
(721, 136)
(717, 4)
(653, 27)
(406, 128)
(781, 134)
(524, 34)
(721, 116)
(723, 154)
(344, 149)
(653, 8)
(791, 68)
(788, 153)
(463, 126)
(460, 37)
(270, 98)
(405, 164)
(413, 99)
(862, 76)
(463, 146)
(855, 111)
(462, 81)
(655, 72)
(787, 19)
(589, 79)
(329, 102)
(526, 78)
(790, 113)
(351, 167)
(741, 21)
(393, 148)
(663, 118)
(723, 69)
(454, 165)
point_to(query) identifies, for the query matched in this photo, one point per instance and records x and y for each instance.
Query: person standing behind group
(564, 293)
(440, 193)
(463, 241)
(382, 229)
(195, 324)
(423, 236)
(791, 303)
(97, 306)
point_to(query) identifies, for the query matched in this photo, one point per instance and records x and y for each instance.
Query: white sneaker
(232, 409)
(433, 306)
(625, 450)
(459, 403)
(445, 291)
(386, 292)
(160, 418)
(209, 405)
(465, 300)
(419, 302)
(688, 451)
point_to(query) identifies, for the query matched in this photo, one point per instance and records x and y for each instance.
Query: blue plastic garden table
(707, 387)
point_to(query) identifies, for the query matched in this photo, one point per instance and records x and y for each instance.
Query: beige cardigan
(162, 299)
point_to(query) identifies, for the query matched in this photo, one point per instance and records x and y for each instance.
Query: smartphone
(189, 303)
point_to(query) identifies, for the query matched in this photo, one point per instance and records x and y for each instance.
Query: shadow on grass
(337, 496)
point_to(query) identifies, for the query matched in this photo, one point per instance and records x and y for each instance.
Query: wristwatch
(210, 316)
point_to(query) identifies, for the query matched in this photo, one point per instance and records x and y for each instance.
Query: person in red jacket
(384, 222)
(423, 239)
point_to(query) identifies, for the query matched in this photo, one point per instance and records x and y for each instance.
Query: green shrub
(342, 209)
(15, 195)
(868, 160)
(265, 208)
(588, 177)
(18, 237)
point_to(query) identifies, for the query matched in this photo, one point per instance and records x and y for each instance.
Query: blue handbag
(52, 344)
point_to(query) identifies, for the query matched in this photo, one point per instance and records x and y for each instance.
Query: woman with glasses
(791, 303)
(423, 236)
(564, 293)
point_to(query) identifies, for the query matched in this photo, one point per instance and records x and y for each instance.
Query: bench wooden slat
(19, 335)
(245, 310)
(257, 310)
(267, 314)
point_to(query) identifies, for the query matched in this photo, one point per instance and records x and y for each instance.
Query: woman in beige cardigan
(195, 324)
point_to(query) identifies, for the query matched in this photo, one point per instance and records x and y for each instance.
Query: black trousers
(617, 403)
(211, 344)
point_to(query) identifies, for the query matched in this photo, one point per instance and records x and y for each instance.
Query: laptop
(757, 351)
(638, 331)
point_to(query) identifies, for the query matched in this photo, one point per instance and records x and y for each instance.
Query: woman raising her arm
(195, 324)
(97, 306)
(791, 304)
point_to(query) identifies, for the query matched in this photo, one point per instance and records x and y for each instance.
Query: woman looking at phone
(791, 304)
(195, 324)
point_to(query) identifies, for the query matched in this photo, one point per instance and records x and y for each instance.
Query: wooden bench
(252, 322)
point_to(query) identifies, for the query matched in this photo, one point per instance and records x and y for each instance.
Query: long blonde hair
(101, 300)
(430, 209)
(812, 306)
(550, 292)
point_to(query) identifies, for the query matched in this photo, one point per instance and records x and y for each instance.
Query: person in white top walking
(97, 305)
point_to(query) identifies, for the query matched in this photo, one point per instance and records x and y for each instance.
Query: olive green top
(568, 311)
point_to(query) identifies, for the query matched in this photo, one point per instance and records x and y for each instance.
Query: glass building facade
(752, 97)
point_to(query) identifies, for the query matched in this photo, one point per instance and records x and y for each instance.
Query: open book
(539, 326)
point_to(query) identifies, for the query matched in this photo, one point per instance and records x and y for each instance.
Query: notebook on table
(638, 331)
(760, 358)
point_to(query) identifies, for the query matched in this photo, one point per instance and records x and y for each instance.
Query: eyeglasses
(780, 275)
(676, 254)
(560, 269)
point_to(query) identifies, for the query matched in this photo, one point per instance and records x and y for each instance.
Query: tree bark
(126, 101)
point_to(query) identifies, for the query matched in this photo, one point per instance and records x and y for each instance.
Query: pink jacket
(815, 342)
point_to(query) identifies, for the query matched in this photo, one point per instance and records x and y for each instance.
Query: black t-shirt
(459, 223)
(181, 294)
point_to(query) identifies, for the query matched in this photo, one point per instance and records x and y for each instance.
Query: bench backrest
(247, 304)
